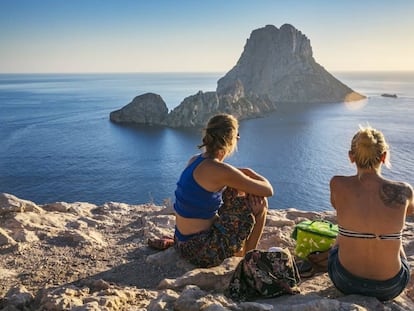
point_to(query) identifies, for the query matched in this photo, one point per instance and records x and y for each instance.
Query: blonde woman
(220, 209)
(369, 258)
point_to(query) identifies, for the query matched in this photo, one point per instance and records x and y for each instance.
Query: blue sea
(57, 143)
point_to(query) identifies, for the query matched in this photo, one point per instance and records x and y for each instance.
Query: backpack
(264, 274)
(314, 236)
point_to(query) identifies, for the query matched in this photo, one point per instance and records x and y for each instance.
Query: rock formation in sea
(278, 64)
(148, 109)
(276, 69)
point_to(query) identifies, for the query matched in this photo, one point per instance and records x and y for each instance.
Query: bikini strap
(361, 235)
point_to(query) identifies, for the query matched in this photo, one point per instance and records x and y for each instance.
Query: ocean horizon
(58, 144)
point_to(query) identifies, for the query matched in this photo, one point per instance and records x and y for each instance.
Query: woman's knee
(260, 211)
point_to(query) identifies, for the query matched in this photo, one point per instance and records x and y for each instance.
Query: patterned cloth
(262, 274)
(234, 224)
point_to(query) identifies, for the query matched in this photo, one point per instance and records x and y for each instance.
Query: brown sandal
(305, 268)
(161, 243)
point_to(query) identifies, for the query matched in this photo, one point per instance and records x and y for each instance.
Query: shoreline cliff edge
(82, 256)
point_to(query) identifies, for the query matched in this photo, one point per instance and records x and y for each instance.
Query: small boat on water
(389, 95)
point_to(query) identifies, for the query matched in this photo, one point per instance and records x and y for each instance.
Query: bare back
(370, 204)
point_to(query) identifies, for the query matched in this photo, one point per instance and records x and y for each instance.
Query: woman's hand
(257, 203)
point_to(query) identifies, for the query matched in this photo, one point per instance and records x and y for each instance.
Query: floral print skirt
(224, 238)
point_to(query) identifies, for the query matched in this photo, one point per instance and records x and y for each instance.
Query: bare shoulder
(338, 180)
(395, 193)
(216, 168)
(224, 168)
(192, 159)
(219, 165)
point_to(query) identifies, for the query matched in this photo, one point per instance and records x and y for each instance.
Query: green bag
(312, 236)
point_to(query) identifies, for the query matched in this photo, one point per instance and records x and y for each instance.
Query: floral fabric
(225, 238)
(264, 274)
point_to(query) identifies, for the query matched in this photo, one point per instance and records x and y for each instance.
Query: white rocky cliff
(79, 256)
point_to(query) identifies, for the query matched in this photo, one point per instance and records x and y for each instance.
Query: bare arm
(410, 211)
(249, 172)
(246, 180)
(332, 191)
(410, 207)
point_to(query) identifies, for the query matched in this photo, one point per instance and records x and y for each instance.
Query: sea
(58, 144)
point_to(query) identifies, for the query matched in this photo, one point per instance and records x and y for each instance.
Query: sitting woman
(220, 209)
(368, 258)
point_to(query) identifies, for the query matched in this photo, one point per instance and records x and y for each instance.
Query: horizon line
(198, 72)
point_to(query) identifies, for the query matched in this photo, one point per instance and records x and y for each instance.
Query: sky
(94, 36)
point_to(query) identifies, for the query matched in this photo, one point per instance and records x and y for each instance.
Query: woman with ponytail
(220, 209)
(369, 258)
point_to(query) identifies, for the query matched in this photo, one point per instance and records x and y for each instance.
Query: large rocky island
(276, 69)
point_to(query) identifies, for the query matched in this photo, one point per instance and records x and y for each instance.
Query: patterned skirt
(224, 238)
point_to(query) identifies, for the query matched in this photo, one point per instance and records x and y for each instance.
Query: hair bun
(368, 145)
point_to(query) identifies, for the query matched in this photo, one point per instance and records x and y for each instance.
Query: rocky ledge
(80, 256)
(275, 70)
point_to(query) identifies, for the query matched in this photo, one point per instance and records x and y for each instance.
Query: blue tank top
(193, 201)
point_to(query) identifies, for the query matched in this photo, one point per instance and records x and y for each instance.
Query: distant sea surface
(57, 143)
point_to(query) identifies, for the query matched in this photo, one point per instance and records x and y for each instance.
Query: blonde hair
(368, 146)
(220, 135)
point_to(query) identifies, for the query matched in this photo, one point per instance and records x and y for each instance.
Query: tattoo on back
(394, 194)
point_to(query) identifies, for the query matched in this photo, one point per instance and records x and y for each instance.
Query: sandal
(161, 243)
(305, 268)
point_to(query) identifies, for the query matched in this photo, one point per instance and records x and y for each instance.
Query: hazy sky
(199, 35)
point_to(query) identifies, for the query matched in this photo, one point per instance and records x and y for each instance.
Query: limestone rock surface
(86, 257)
